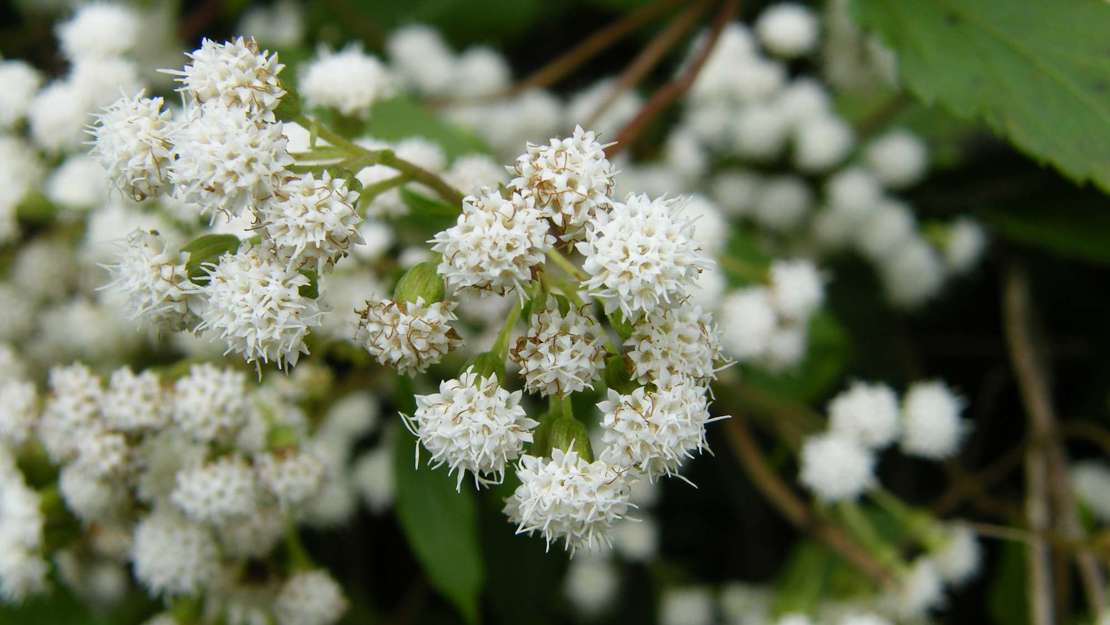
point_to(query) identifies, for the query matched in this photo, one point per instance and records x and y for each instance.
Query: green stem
(919, 523)
(299, 559)
(857, 523)
(370, 192)
(566, 406)
(565, 264)
(501, 347)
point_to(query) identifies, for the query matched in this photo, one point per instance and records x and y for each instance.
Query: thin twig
(674, 90)
(795, 509)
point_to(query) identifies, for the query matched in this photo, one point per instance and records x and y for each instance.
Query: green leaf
(401, 118)
(312, 289)
(427, 211)
(441, 526)
(1080, 233)
(206, 249)
(802, 581)
(1036, 71)
(1007, 600)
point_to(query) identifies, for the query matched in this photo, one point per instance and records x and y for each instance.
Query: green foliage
(1035, 71)
(1080, 233)
(802, 581)
(207, 249)
(441, 526)
(427, 213)
(1006, 597)
(402, 117)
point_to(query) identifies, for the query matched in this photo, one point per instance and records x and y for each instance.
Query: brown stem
(673, 90)
(650, 57)
(965, 485)
(795, 509)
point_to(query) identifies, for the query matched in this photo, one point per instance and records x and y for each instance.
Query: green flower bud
(568, 433)
(420, 281)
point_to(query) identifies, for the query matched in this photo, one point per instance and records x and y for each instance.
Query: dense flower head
(255, 305)
(99, 30)
(18, 411)
(22, 568)
(641, 256)
(220, 492)
(234, 74)
(72, 409)
(560, 353)
(567, 498)
(20, 81)
(675, 343)
(291, 476)
(496, 243)
(570, 179)
(409, 336)
(836, 467)
(154, 281)
(310, 598)
(797, 288)
(654, 431)
(960, 555)
(866, 412)
(173, 556)
(134, 402)
(349, 81)
(472, 425)
(787, 29)
(210, 404)
(931, 426)
(314, 222)
(225, 161)
(132, 142)
(748, 323)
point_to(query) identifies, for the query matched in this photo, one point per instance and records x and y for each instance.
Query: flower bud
(420, 281)
(569, 434)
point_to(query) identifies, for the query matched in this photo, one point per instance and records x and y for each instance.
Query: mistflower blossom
(173, 556)
(309, 598)
(422, 58)
(313, 222)
(91, 499)
(78, 184)
(783, 203)
(912, 274)
(210, 404)
(254, 303)
(959, 558)
(496, 244)
(570, 179)
(225, 161)
(654, 431)
(886, 230)
(132, 142)
(99, 29)
(636, 540)
(281, 24)
(349, 81)
(711, 230)
(220, 492)
(481, 71)
(471, 172)
(560, 353)
(675, 343)
(836, 467)
(154, 282)
(373, 477)
(22, 569)
(899, 158)
(234, 74)
(101, 81)
(868, 413)
(72, 409)
(747, 323)
(853, 187)
(785, 348)
(20, 81)
(821, 142)
(931, 426)
(919, 590)
(134, 403)
(408, 336)
(18, 411)
(57, 117)
(760, 132)
(255, 535)
(567, 498)
(289, 475)
(804, 98)
(964, 245)
(103, 454)
(787, 29)
(687, 606)
(472, 424)
(591, 584)
(641, 256)
(797, 289)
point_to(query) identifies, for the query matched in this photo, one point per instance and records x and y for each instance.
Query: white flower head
(654, 431)
(72, 410)
(748, 322)
(931, 426)
(913, 274)
(821, 142)
(210, 403)
(836, 467)
(869, 413)
(570, 179)
(964, 245)
(566, 498)
(99, 30)
(960, 557)
(23, 570)
(920, 590)
(218, 493)
(291, 476)
(687, 606)
(132, 142)
(254, 304)
(641, 256)
(225, 161)
(409, 336)
(349, 81)
(472, 424)
(675, 343)
(135, 403)
(57, 116)
(20, 81)
(496, 243)
(591, 584)
(234, 74)
(19, 411)
(560, 353)
(173, 556)
(797, 289)
(899, 158)
(787, 29)
(1091, 481)
(310, 598)
(312, 222)
(154, 282)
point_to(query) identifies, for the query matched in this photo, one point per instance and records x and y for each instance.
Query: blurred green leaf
(401, 118)
(1070, 231)
(1007, 600)
(1035, 71)
(207, 249)
(441, 526)
(802, 581)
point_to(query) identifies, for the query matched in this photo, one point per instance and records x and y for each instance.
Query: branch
(677, 87)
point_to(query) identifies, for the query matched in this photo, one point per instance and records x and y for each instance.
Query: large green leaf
(442, 528)
(1036, 71)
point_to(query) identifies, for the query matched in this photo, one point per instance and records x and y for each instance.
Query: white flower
(711, 230)
(1091, 481)
(290, 476)
(885, 230)
(349, 81)
(408, 336)
(481, 71)
(91, 499)
(18, 411)
(637, 540)
(225, 161)
(783, 203)
(103, 454)
(836, 467)
(422, 58)
(919, 591)
(785, 348)
(913, 274)
(57, 117)
(853, 187)
(254, 303)
(868, 413)
(132, 142)
(209, 404)
(234, 74)
(373, 477)
(99, 29)
(821, 142)
(560, 354)
(931, 426)
(471, 172)
(78, 184)
(310, 598)
(134, 403)
(496, 243)
(797, 289)
(744, 604)
(736, 190)
(154, 282)
(72, 410)
(591, 584)
(254, 536)
(570, 179)
(583, 104)
(281, 24)
(787, 29)
(566, 498)
(759, 130)
(173, 556)
(654, 431)
(960, 557)
(862, 618)
(747, 323)
(20, 81)
(100, 82)
(899, 158)
(22, 569)
(687, 606)
(313, 222)
(641, 256)
(964, 245)
(675, 343)
(219, 493)
(471, 424)
(804, 98)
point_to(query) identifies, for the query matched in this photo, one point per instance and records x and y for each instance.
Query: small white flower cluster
(839, 464)
(23, 569)
(349, 81)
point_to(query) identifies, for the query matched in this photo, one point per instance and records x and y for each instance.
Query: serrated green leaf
(1036, 71)
(441, 526)
(206, 249)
